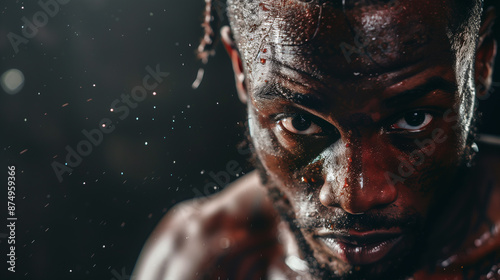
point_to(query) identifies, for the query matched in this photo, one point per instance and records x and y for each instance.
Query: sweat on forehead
(379, 33)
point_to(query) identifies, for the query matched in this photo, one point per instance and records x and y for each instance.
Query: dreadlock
(210, 23)
(213, 18)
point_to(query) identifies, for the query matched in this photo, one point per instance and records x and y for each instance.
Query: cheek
(277, 160)
(280, 164)
(262, 137)
(425, 172)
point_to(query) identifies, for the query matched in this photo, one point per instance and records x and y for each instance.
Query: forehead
(330, 39)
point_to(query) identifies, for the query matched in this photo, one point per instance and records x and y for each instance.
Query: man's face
(360, 117)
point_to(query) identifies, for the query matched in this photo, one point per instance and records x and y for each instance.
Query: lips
(364, 248)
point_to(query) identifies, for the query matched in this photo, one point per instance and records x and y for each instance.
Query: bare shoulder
(196, 233)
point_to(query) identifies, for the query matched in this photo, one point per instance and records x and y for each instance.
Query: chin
(386, 258)
(391, 254)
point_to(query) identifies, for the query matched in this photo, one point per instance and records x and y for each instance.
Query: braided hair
(213, 18)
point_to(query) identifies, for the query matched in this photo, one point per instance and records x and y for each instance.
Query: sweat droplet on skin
(263, 6)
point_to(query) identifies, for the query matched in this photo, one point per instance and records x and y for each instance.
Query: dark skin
(332, 134)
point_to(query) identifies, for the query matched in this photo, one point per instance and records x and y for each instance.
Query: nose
(360, 183)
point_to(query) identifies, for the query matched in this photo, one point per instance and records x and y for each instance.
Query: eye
(300, 124)
(413, 121)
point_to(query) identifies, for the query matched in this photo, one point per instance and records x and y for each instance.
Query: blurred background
(61, 79)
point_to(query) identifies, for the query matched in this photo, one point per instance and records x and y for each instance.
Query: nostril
(357, 197)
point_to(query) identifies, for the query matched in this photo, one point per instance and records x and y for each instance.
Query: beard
(397, 268)
(428, 250)
(401, 267)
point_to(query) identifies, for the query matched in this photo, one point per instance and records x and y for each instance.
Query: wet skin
(333, 131)
(364, 151)
(237, 234)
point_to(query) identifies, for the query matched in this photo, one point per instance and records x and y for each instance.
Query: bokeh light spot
(12, 81)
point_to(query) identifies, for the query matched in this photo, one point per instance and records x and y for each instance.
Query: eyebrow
(313, 101)
(432, 84)
(301, 72)
(278, 91)
(275, 90)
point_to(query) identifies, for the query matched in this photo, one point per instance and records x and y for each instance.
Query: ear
(485, 54)
(234, 55)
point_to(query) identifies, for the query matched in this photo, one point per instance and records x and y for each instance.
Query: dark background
(93, 224)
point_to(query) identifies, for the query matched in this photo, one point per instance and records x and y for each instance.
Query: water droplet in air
(224, 243)
(475, 147)
(478, 242)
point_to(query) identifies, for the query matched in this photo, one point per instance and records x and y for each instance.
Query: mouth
(364, 248)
